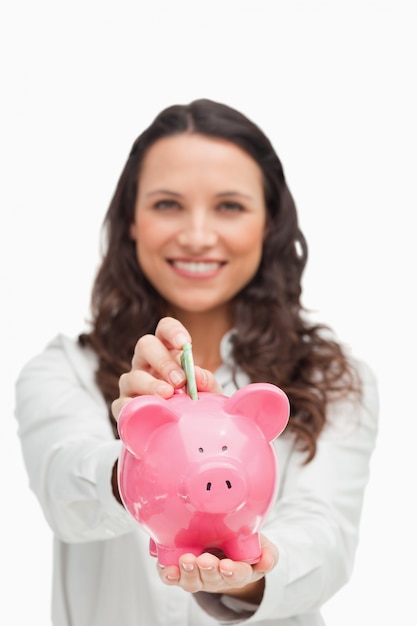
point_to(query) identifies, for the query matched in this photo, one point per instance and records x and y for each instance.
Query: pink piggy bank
(201, 475)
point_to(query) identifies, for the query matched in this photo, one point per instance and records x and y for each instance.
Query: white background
(333, 85)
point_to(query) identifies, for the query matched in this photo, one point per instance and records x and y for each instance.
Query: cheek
(248, 241)
(148, 235)
(145, 236)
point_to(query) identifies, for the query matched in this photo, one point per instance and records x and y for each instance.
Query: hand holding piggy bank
(199, 475)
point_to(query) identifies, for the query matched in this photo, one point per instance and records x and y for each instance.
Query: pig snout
(217, 489)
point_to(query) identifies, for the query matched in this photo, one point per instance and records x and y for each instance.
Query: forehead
(192, 154)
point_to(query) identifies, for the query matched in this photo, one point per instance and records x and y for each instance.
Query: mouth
(196, 268)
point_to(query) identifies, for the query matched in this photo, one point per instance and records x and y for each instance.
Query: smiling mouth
(197, 267)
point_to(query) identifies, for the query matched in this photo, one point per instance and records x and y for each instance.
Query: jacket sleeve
(67, 443)
(315, 523)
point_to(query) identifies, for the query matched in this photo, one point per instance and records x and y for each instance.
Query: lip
(192, 268)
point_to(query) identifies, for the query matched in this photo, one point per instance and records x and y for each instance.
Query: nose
(197, 231)
(219, 489)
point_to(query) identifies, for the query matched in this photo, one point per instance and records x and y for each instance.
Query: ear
(266, 404)
(140, 417)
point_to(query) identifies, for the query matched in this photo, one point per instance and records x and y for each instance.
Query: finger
(235, 573)
(222, 574)
(206, 381)
(190, 574)
(210, 575)
(152, 356)
(169, 575)
(117, 406)
(269, 556)
(172, 333)
(140, 383)
(137, 383)
(266, 563)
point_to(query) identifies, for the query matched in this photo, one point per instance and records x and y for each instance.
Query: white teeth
(197, 267)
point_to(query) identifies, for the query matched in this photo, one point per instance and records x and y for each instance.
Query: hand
(220, 575)
(156, 368)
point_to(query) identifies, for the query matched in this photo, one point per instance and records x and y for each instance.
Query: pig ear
(266, 404)
(140, 417)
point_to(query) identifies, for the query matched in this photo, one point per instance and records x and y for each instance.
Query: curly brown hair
(273, 342)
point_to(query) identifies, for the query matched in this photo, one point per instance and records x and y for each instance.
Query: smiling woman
(199, 222)
(202, 245)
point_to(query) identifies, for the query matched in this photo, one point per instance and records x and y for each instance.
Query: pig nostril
(228, 483)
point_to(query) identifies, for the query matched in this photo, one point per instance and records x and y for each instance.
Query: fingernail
(226, 573)
(188, 567)
(181, 339)
(176, 377)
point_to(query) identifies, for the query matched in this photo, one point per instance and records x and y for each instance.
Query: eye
(166, 205)
(228, 206)
(224, 448)
(201, 450)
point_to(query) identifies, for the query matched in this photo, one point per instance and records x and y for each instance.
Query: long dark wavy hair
(273, 341)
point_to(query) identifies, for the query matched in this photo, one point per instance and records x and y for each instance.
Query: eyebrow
(222, 194)
(233, 193)
(158, 192)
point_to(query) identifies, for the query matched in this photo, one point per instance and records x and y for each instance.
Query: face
(199, 221)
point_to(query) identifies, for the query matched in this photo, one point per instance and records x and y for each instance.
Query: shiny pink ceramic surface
(202, 474)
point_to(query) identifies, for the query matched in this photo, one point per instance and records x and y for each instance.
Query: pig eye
(224, 448)
(201, 450)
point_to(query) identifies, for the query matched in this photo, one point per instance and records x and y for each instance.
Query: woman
(203, 245)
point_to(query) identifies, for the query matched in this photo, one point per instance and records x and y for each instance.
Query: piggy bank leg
(246, 548)
(153, 551)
